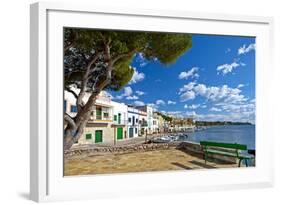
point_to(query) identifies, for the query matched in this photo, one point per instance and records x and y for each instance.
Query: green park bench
(226, 149)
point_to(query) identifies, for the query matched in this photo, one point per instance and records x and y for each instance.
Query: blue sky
(214, 80)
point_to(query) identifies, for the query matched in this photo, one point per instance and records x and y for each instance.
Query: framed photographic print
(131, 102)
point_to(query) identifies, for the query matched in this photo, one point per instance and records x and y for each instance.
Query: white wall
(14, 83)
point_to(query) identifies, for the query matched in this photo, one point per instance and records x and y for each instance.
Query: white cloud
(193, 106)
(137, 77)
(191, 73)
(171, 102)
(240, 86)
(187, 87)
(153, 105)
(139, 103)
(140, 92)
(214, 109)
(213, 93)
(128, 91)
(134, 97)
(188, 95)
(245, 49)
(227, 68)
(191, 114)
(160, 102)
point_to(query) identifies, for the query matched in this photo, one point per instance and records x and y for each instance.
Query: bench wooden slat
(224, 145)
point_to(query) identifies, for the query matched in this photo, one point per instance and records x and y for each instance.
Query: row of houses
(112, 121)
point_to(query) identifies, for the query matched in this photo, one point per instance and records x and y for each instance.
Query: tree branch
(69, 121)
(71, 91)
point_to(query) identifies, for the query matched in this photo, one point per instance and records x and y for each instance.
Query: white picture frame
(46, 151)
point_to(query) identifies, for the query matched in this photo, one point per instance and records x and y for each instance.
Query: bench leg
(246, 162)
(205, 158)
(239, 165)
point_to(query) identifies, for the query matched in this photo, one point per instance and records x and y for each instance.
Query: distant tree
(96, 60)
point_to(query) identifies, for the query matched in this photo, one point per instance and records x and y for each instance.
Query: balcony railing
(100, 118)
(120, 122)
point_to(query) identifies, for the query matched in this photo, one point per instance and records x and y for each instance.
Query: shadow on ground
(181, 165)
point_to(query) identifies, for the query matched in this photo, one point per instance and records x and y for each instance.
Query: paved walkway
(159, 160)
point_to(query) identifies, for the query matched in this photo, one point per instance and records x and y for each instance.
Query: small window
(136, 130)
(73, 108)
(129, 119)
(88, 136)
(137, 120)
(106, 114)
(115, 117)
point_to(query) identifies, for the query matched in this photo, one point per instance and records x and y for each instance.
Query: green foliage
(121, 75)
(165, 47)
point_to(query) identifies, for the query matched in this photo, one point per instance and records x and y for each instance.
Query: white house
(142, 123)
(120, 117)
(133, 122)
(155, 123)
(149, 111)
(99, 127)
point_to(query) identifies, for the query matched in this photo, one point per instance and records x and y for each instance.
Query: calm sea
(241, 134)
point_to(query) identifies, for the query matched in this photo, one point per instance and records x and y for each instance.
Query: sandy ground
(159, 160)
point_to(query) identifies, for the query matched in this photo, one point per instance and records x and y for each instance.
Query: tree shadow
(181, 165)
(200, 164)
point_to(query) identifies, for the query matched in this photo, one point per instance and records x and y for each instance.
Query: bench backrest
(223, 145)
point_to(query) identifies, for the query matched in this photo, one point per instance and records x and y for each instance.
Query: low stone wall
(195, 148)
(120, 149)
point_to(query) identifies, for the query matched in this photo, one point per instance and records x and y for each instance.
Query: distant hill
(208, 123)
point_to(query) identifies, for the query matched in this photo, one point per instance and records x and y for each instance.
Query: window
(115, 117)
(136, 130)
(129, 119)
(88, 136)
(137, 120)
(73, 108)
(105, 114)
(119, 118)
(98, 113)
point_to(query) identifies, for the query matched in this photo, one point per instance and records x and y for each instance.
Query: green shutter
(98, 113)
(115, 117)
(88, 136)
(119, 133)
(119, 118)
(98, 136)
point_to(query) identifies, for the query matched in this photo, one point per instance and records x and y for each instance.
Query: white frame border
(39, 77)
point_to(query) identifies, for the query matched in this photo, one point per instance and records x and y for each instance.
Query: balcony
(143, 123)
(120, 122)
(100, 118)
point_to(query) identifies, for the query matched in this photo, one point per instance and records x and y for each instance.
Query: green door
(119, 133)
(98, 136)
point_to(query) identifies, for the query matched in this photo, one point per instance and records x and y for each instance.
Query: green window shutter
(115, 117)
(98, 113)
(88, 136)
(119, 118)
(98, 136)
